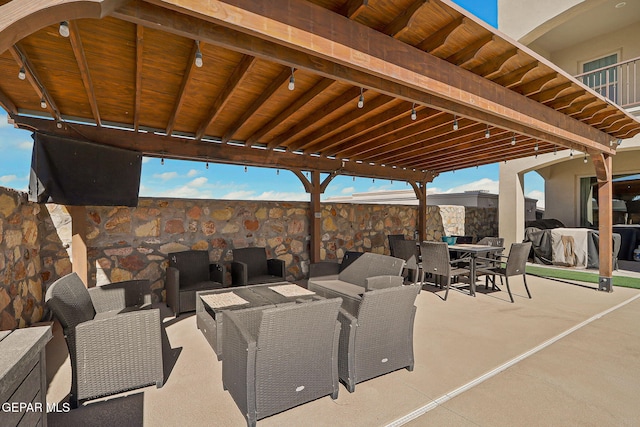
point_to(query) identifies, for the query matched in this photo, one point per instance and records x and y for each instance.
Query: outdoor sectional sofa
(369, 271)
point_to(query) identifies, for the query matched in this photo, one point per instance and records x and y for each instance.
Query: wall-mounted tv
(79, 173)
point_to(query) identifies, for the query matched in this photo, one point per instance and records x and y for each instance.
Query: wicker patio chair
(378, 337)
(436, 261)
(188, 273)
(515, 266)
(278, 358)
(409, 251)
(250, 266)
(112, 347)
(392, 238)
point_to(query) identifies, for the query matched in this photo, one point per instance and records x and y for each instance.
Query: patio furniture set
(281, 345)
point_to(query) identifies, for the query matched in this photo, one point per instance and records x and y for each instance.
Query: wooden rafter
(78, 52)
(578, 107)
(155, 145)
(551, 93)
(275, 84)
(514, 77)
(7, 103)
(239, 73)
(186, 78)
(308, 141)
(391, 134)
(353, 8)
(470, 51)
(23, 61)
(439, 38)
(566, 100)
(306, 97)
(139, 62)
(402, 22)
(424, 85)
(534, 86)
(384, 122)
(489, 68)
(348, 96)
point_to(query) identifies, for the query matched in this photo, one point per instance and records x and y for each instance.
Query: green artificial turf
(582, 276)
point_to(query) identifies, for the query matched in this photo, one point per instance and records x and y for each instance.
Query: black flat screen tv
(79, 173)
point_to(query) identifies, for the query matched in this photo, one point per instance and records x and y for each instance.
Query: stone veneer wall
(31, 256)
(133, 243)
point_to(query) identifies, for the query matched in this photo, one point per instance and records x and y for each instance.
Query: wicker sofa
(329, 270)
(113, 334)
(370, 271)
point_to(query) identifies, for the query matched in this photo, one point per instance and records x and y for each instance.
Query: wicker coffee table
(211, 304)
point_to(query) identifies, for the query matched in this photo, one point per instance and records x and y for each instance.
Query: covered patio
(393, 90)
(568, 356)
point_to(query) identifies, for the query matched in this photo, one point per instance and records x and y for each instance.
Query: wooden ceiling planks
(139, 62)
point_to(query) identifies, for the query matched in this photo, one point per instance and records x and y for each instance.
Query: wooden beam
(307, 142)
(384, 64)
(388, 119)
(536, 85)
(32, 77)
(402, 22)
(495, 65)
(566, 100)
(514, 77)
(85, 74)
(7, 103)
(420, 189)
(238, 75)
(353, 8)
(160, 145)
(275, 84)
(186, 78)
(551, 93)
(316, 218)
(21, 18)
(305, 98)
(440, 37)
(470, 51)
(138, 84)
(603, 166)
(348, 96)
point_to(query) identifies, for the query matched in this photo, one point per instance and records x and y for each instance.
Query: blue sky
(177, 178)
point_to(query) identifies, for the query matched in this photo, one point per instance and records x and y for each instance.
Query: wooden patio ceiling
(126, 77)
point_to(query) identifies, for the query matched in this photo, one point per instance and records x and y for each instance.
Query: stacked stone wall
(133, 243)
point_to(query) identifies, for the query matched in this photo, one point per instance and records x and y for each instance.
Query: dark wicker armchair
(378, 338)
(250, 266)
(114, 344)
(278, 358)
(188, 273)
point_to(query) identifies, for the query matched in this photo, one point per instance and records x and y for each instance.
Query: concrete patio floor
(584, 369)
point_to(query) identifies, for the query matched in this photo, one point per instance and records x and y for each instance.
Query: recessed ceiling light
(621, 4)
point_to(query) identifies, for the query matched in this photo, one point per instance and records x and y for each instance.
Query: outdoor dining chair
(409, 251)
(515, 266)
(436, 261)
(392, 238)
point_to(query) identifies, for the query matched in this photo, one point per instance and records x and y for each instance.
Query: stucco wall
(517, 19)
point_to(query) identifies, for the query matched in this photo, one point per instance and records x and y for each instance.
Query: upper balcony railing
(618, 82)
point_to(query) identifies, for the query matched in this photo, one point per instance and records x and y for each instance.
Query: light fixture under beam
(292, 81)
(198, 58)
(64, 29)
(361, 99)
(414, 115)
(22, 74)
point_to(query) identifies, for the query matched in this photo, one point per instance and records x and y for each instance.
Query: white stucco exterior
(598, 28)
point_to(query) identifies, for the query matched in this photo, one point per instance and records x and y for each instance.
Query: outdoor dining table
(472, 251)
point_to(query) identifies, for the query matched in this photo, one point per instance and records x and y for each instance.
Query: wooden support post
(79, 242)
(315, 222)
(603, 166)
(420, 188)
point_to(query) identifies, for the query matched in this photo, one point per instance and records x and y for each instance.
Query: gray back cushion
(192, 265)
(371, 265)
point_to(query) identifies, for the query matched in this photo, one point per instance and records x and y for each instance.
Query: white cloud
(146, 159)
(240, 194)
(539, 195)
(166, 175)
(25, 145)
(3, 122)
(5, 179)
(348, 190)
(192, 173)
(198, 182)
(482, 184)
(288, 196)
